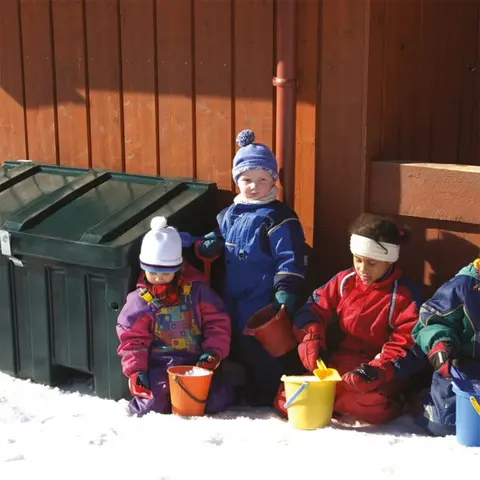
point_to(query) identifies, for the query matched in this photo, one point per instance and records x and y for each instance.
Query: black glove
(367, 378)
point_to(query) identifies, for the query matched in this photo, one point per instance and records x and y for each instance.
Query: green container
(70, 240)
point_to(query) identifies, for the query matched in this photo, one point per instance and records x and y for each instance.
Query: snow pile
(197, 372)
(49, 433)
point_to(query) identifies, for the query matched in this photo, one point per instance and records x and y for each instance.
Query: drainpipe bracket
(284, 82)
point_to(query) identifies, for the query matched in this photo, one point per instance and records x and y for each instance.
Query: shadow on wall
(437, 248)
(444, 253)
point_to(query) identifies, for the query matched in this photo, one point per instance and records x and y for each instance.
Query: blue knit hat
(253, 156)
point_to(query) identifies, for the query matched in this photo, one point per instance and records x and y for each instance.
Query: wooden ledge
(426, 190)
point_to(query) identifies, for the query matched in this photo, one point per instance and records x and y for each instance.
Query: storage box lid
(87, 217)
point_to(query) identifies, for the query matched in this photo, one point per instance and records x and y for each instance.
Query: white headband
(366, 247)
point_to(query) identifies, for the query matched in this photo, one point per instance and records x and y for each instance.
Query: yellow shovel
(326, 374)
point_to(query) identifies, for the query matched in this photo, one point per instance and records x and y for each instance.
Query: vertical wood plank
(407, 135)
(139, 86)
(104, 78)
(401, 77)
(213, 87)
(340, 127)
(70, 81)
(447, 17)
(375, 84)
(39, 89)
(476, 103)
(305, 145)
(424, 80)
(465, 56)
(253, 56)
(469, 126)
(175, 88)
(390, 87)
(428, 102)
(12, 116)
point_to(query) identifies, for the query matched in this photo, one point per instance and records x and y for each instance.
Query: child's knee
(437, 410)
(373, 407)
(160, 403)
(221, 394)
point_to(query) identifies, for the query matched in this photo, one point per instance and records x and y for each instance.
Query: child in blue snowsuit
(448, 331)
(265, 258)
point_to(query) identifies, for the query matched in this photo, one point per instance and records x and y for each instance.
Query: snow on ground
(66, 434)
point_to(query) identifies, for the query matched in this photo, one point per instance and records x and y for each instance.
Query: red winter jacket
(375, 320)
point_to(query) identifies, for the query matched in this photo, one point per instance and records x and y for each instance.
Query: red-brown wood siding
(163, 87)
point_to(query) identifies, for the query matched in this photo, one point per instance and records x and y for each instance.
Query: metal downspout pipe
(285, 83)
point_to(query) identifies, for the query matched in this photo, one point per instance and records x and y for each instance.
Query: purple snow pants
(219, 399)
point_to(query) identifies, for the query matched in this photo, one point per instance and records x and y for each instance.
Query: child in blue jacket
(448, 331)
(265, 258)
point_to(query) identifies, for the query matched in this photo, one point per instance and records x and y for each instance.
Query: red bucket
(273, 330)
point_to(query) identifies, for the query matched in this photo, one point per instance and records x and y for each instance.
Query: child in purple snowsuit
(172, 318)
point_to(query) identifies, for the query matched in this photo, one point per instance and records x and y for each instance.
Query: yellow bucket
(309, 401)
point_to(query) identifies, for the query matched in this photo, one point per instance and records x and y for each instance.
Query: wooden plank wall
(142, 86)
(423, 100)
(13, 134)
(430, 81)
(163, 87)
(417, 103)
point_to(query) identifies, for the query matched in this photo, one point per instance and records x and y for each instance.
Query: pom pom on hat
(161, 249)
(157, 223)
(245, 137)
(253, 156)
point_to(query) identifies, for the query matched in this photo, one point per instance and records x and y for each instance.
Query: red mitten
(311, 346)
(138, 385)
(280, 400)
(440, 357)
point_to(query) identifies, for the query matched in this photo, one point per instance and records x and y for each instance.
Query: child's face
(159, 278)
(255, 184)
(369, 270)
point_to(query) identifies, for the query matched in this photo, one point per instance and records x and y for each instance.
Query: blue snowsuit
(453, 315)
(264, 252)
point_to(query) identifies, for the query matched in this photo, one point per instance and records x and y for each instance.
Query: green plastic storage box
(70, 240)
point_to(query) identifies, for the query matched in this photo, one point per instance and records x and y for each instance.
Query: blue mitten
(187, 239)
(289, 299)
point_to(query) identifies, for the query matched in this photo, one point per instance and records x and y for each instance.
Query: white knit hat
(161, 248)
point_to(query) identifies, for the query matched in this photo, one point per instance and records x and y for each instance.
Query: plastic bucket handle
(207, 262)
(475, 404)
(195, 399)
(300, 389)
(461, 381)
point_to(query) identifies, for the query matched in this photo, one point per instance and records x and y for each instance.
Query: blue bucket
(467, 417)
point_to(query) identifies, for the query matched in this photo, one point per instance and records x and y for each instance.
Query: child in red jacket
(372, 311)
